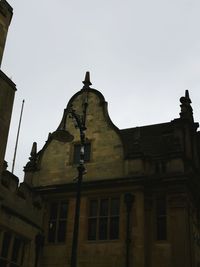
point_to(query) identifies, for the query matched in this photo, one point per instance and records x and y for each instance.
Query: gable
(106, 159)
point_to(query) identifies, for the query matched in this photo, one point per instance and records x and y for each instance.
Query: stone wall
(21, 215)
(7, 93)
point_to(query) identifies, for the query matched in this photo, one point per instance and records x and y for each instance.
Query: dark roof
(152, 140)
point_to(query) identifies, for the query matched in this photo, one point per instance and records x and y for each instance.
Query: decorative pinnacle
(187, 96)
(186, 109)
(87, 82)
(186, 99)
(32, 163)
(34, 150)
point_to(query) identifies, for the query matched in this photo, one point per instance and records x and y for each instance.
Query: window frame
(98, 217)
(57, 221)
(78, 144)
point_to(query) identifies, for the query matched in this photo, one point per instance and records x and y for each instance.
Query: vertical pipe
(128, 238)
(39, 243)
(128, 199)
(16, 144)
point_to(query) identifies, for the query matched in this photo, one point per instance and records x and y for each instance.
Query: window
(161, 218)
(103, 220)
(57, 222)
(12, 251)
(87, 151)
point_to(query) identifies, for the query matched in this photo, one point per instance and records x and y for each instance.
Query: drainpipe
(128, 199)
(39, 243)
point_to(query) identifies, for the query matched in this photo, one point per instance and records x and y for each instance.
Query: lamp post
(64, 136)
(80, 123)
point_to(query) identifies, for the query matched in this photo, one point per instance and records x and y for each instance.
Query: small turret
(186, 109)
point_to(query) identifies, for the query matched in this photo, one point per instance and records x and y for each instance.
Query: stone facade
(7, 93)
(157, 164)
(20, 222)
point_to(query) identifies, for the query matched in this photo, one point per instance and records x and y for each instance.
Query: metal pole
(76, 219)
(128, 239)
(80, 122)
(16, 144)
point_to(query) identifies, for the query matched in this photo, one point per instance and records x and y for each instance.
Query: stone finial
(87, 82)
(187, 95)
(34, 149)
(186, 109)
(32, 164)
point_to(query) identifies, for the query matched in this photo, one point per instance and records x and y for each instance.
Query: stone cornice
(7, 80)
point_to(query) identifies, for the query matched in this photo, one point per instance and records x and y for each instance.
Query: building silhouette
(140, 195)
(7, 87)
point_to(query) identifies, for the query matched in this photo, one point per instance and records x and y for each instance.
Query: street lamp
(80, 123)
(64, 136)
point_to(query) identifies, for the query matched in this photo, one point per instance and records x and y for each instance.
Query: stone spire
(186, 109)
(32, 164)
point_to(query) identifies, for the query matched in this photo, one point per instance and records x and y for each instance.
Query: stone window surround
(107, 217)
(57, 221)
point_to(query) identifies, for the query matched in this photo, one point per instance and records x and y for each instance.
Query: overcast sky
(141, 54)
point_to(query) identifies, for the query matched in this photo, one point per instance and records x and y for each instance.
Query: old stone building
(140, 193)
(155, 166)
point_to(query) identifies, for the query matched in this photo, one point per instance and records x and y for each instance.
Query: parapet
(20, 200)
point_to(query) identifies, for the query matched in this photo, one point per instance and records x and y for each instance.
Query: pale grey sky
(142, 55)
